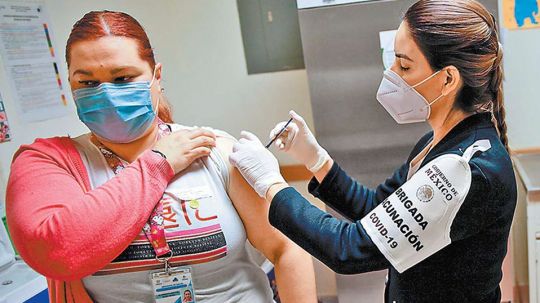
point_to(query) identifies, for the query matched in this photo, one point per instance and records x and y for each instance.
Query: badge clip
(165, 260)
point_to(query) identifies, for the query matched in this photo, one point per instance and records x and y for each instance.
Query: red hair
(99, 24)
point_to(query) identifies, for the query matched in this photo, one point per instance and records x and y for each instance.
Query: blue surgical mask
(118, 113)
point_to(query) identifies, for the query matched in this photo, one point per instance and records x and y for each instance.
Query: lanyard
(154, 229)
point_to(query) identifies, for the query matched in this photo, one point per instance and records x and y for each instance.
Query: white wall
(210, 84)
(522, 99)
(199, 43)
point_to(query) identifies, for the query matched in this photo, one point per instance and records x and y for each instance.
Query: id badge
(173, 287)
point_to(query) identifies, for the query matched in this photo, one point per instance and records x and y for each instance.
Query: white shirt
(208, 236)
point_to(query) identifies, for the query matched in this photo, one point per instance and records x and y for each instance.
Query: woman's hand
(299, 142)
(183, 147)
(257, 164)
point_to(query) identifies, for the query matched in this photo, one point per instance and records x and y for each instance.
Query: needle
(279, 134)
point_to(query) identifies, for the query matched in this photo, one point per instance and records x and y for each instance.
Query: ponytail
(496, 86)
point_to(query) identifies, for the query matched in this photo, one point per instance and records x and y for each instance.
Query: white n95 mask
(402, 101)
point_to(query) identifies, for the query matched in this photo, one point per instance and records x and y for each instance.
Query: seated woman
(99, 214)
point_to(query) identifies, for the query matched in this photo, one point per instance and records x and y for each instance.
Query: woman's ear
(158, 68)
(453, 80)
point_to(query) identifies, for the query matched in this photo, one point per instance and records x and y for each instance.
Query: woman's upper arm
(252, 209)
(66, 233)
(483, 205)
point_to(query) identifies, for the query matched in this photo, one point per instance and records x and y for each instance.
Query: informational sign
(30, 61)
(387, 47)
(521, 14)
(5, 134)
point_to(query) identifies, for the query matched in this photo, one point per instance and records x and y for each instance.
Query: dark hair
(99, 24)
(464, 34)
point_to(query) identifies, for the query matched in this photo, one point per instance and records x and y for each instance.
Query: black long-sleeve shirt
(467, 270)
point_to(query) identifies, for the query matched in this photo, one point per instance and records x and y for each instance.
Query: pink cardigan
(62, 228)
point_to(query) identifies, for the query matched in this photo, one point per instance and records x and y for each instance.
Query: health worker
(440, 223)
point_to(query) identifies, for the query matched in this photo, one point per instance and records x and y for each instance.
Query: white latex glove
(299, 142)
(257, 164)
